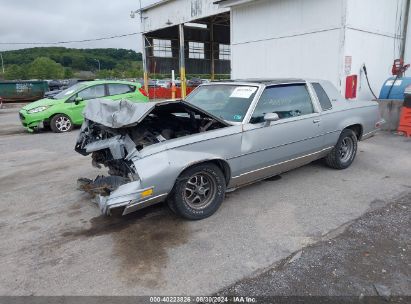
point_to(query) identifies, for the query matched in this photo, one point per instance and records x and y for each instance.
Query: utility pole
(143, 51)
(212, 69)
(143, 47)
(405, 29)
(182, 62)
(2, 63)
(99, 66)
(145, 69)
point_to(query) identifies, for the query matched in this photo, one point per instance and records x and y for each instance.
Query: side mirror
(77, 100)
(270, 117)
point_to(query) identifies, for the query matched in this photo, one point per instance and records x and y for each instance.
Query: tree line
(63, 63)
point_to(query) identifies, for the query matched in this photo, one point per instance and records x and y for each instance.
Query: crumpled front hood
(41, 103)
(114, 114)
(123, 113)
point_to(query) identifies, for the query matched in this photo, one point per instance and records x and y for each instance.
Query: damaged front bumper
(131, 197)
(31, 122)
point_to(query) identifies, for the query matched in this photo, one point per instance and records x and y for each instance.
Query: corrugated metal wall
(373, 38)
(286, 38)
(300, 38)
(179, 11)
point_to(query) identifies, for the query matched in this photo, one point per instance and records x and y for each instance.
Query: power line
(72, 41)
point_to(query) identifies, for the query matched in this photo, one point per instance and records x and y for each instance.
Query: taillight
(142, 91)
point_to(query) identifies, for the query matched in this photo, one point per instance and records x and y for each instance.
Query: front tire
(344, 152)
(61, 123)
(198, 192)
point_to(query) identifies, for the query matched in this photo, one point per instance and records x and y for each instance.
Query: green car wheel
(61, 123)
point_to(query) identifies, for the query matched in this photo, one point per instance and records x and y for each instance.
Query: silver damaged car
(224, 135)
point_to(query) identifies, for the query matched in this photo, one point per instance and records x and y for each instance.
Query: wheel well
(222, 164)
(357, 130)
(51, 117)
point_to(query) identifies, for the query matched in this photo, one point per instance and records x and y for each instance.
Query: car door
(77, 106)
(329, 119)
(117, 91)
(268, 149)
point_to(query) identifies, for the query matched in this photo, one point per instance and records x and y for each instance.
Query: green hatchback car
(63, 111)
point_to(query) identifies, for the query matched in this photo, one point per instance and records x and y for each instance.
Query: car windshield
(69, 91)
(227, 101)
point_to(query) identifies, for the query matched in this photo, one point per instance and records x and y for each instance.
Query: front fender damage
(116, 133)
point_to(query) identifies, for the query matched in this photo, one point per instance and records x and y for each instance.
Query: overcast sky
(57, 20)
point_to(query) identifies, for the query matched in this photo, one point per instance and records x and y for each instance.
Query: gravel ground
(371, 257)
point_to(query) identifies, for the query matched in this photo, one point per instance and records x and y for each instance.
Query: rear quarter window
(118, 89)
(322, 97)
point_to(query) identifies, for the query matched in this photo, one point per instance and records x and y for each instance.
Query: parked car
(223, 136)
(194, 82)
(164, 83)
(55, 85)
(52, 93)
(62, 111)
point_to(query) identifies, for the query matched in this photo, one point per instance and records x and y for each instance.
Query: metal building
(329, 39)
(189, 36)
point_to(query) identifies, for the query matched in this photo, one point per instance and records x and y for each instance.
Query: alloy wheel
(200, 190)
(63, 124)
(346, 149)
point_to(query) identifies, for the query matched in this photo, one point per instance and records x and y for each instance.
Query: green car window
(92, 92)
(118, 89)
(69, 91)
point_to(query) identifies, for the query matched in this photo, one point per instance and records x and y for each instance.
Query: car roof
(266, 81)
(112, 81)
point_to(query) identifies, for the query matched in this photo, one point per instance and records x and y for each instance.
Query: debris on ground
(102, 185)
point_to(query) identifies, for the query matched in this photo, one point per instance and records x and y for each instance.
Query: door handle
(316, 120)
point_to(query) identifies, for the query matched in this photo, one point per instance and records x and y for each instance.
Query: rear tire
(198, 192)
(344, 152)
(61, 123)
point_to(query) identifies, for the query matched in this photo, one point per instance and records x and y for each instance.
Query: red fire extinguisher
(351, 87)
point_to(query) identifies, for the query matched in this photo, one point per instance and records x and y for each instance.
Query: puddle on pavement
(141, 242)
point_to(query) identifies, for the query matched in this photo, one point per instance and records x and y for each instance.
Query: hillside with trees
(63, 63)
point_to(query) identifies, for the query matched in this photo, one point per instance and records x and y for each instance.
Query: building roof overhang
(228, 3)
(158, 3)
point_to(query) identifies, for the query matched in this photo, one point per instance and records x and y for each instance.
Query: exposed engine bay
(113, 145)
(169, 122)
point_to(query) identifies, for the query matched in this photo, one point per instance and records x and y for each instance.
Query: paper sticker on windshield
(243, 92)
(69, 92)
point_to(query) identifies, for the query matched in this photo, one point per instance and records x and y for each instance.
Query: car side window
(118, 89)
(322, 97)
(92, 92)
(285, 100)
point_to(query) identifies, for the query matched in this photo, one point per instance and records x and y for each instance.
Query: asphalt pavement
(53, 240)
